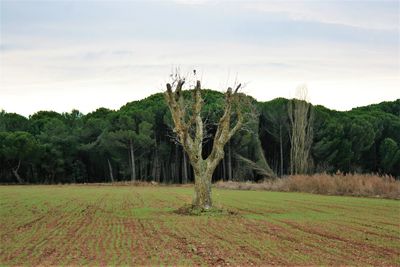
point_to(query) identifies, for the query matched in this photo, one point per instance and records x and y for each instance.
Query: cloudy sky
(60, 55)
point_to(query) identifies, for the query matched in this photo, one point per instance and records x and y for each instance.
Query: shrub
(338, 184)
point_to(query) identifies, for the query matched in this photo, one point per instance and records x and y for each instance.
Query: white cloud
(111, 74)
(79, 64)
(370, 14)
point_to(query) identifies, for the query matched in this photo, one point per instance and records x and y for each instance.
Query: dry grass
(338, 184)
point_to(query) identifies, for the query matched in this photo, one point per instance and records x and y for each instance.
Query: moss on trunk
(202, 192)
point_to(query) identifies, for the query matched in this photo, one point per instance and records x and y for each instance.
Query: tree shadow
(190, 210)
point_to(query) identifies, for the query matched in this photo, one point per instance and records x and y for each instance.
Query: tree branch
(224, 133)
(178, 111)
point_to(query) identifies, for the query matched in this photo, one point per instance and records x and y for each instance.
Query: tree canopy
(137, 141)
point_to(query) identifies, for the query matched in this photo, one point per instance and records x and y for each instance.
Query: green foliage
(17, 150)
(17, 146)
(390, 156)
(11, 122)
(72, 147)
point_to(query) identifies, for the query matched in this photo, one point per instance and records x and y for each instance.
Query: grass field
(126, 225)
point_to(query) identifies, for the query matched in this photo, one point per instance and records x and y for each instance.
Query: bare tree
(301, 117)
(189, 129)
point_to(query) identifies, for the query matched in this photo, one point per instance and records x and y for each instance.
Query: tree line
(137, 142)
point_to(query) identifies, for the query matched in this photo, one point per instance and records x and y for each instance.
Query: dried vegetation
(339, 184)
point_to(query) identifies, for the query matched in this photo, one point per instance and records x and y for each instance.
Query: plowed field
(127, 225)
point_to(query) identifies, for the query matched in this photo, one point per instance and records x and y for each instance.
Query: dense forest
(137, 143)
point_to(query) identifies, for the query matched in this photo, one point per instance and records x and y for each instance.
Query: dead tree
(188, 126)
(301, 117)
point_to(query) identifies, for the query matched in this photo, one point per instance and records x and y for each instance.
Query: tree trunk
(164, 172)
(140, 176)
(158, 163)
(281, 149)
(158, 170)
(34, 173)
(185, 171)
(111, 171)
(19, 179)
(143, 169)
(176, 169)
(16, 174)
(229, 162)
(154, 167)
(223, 170)
(202, 191)
(172, 174)
(133, 174)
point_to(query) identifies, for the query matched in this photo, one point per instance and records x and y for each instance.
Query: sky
(86, 54)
